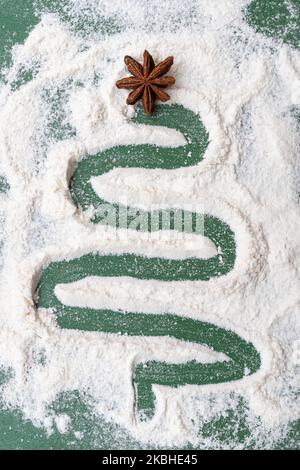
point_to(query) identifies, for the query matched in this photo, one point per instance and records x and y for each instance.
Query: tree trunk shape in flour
(243, 358)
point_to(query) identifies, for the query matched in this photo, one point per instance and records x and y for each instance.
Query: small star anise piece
(147, 81)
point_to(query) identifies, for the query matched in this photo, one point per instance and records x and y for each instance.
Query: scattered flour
(244, 91)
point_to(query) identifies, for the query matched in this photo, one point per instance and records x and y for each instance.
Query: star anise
(147, 81)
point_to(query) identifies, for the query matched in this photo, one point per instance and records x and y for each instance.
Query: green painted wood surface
(268, 17)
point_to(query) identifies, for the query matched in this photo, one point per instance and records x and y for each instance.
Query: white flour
(249, 178)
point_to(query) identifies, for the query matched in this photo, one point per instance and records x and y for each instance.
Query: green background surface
(271, 18)
(243, 356)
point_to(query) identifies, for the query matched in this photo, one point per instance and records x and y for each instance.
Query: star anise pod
(147, 81)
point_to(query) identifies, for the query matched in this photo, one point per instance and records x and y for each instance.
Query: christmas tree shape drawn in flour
(243, 358)
(279, 19)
